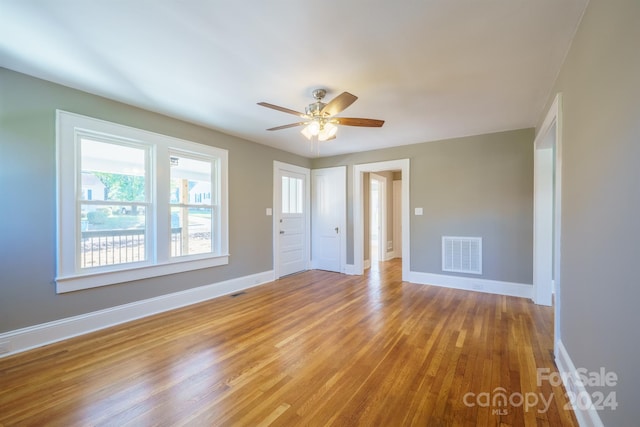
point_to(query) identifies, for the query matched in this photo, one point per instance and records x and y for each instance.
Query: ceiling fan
(320, 118)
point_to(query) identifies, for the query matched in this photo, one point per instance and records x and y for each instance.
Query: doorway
(547, 213)
(359, 210)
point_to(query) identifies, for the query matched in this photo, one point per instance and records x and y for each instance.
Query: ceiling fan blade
(292, 125)
(283, 109)
(338, 104)
(352, 121)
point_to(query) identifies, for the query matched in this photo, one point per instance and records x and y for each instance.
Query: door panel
(291, 224)
(328, 218)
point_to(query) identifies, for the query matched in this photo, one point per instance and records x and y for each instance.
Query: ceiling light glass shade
(305, 131)
(311, 130)
(314, 128)
(328, 131)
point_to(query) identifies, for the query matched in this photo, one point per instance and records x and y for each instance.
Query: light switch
(418, 211)
(269, 211)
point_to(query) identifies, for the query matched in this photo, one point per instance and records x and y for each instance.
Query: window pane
(191, 188)
(292, 197)
(112, 172)
(292, 194)
(190, 231)
(111, 235)
(190, 181)
(299, 196)
(285, 194)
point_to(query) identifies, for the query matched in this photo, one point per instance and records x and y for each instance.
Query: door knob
(337, 230)
(281, 231)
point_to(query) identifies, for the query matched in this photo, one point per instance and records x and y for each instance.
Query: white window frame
(70, 277)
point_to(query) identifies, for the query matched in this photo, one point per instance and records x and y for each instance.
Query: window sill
(105, 278)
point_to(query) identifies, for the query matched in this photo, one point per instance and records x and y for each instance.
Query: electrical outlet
(5, 347)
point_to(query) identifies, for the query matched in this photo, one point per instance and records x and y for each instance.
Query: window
(113, 230)
(134, 204)
(193, 210)
(291, 195)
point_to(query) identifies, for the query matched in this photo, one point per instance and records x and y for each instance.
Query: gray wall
(600, 82)
(27, 215)
(473, 186)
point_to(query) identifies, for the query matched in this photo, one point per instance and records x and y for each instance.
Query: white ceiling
(432, 69)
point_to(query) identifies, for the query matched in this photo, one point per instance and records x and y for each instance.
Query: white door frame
(397, 218)
(358, 212)
(548, 142)
(277, 207)
(382, 216)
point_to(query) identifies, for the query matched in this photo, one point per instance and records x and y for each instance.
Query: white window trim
(69, 277)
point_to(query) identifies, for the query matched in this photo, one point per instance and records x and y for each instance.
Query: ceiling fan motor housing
(315, 109)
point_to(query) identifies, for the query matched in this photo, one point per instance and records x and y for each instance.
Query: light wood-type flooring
(312, 349)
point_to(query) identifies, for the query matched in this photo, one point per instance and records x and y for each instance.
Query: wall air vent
(462, 254)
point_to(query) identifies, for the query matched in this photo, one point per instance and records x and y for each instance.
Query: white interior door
(378, 219)
(328, 215)
(397, 219)
(291, 201)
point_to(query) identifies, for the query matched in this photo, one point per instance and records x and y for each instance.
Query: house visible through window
(193, 211)
(146, 204)
(113, 229)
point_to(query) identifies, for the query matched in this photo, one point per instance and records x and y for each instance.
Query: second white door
(328, 215)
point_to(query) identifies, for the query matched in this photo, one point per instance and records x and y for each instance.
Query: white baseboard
(350, 269)
(366, 264)
(389, 255)
(471, 284)
(20, 340)
(586, 414)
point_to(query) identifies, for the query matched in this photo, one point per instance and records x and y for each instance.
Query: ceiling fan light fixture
(311, 130)
(320, 120)
(327, 132)
(306, 132)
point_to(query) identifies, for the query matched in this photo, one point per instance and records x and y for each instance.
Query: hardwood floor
(313, 349)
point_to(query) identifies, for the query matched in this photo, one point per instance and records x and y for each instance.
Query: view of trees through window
(134, 204)
(113, 203)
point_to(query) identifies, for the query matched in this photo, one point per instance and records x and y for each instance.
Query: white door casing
(548, 213)
(291, 219)
(358, 209)
(397, 219)
(328, 213)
